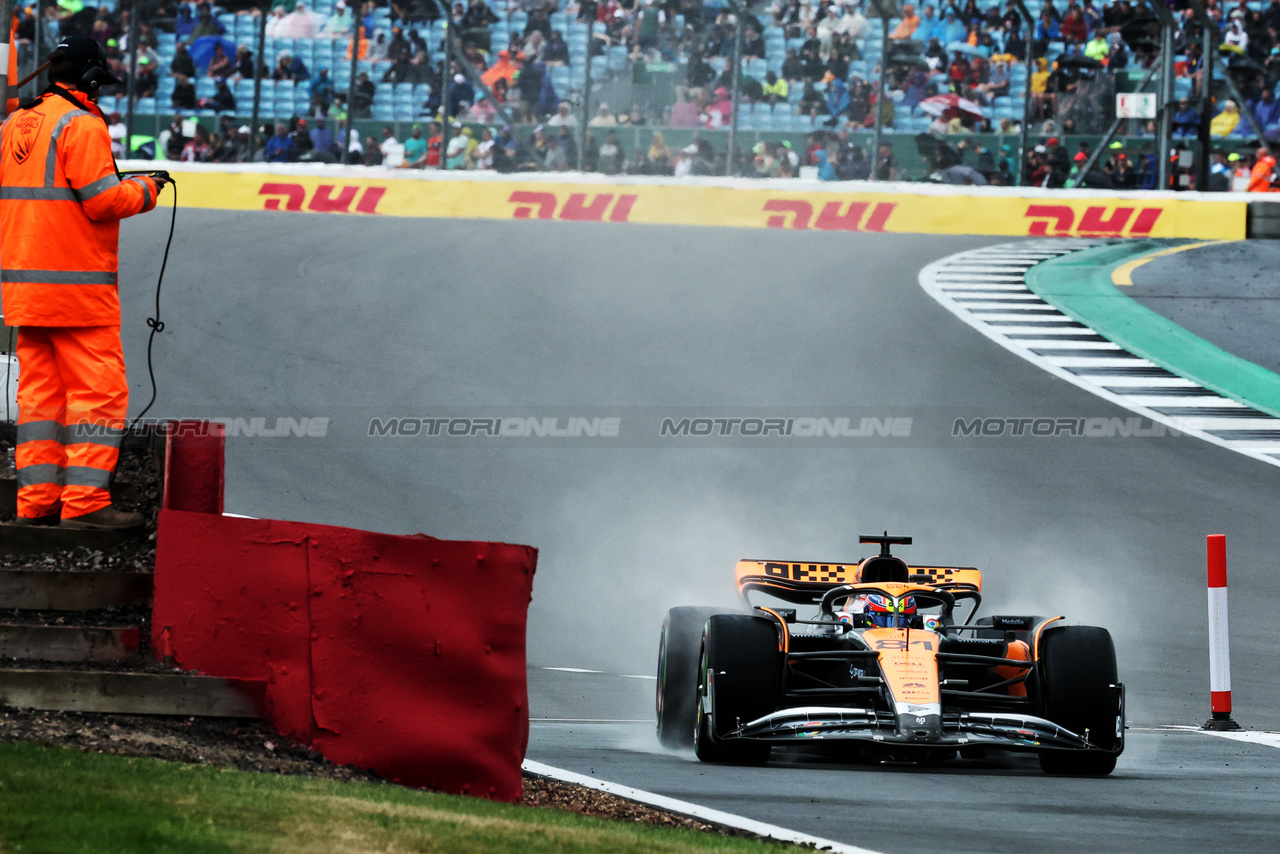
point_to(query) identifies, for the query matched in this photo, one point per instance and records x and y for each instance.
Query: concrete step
(132, 693)
(98, 644)
(49, 590)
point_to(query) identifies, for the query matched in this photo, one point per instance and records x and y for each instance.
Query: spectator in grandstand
(1266, 111)
(659, 154)
(223, 100)
(603, 118)
(182, 62)
(1047, 30)
(1225, 122)
(792, 67)
(372, 154)
(364, 92)
(144, 85)
(339, 23)
(300, 23)
(473, 29)
(275, 23)
(184, 94)
(183, 23)
(482, 111)
(503, 69)
(398, 49)
(610, 156)
(220, 64)
(279, 148)
(233, 147)
(1041, 98)
(930, 27)
(1186, 121)
(555, 159)
(321, 91)
(415, 150)
(1219, 173)
(907, 25)
(1073, 28)
(290, 67)
(243, 63)
(812, 68)
(1098, 48)
(199, 149)
(435, 145)
(206, 25)
(556, 51)
(563, 117)
(322, 138)
(377, 51)
(886, 164)
(951, 29)
(301, 138)
(565, 139)
(774, 90)
(391, 148)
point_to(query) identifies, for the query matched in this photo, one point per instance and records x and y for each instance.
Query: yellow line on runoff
(1123, 275)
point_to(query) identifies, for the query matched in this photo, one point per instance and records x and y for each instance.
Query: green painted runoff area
(1079, 285)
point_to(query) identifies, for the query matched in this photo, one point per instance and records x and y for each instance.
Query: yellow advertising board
(776, 206)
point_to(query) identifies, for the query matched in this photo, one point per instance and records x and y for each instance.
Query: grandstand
(620, 62)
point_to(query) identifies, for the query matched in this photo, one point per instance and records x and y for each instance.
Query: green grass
(62, 800)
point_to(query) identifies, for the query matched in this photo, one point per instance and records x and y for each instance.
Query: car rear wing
(802, 581)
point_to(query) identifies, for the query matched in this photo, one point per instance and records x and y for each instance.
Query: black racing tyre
(1077, 672)
(739, 676)
(679, 648)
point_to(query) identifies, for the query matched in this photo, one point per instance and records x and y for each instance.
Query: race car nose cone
(921, 729)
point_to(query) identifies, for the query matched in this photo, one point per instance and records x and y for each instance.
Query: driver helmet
(888, 613)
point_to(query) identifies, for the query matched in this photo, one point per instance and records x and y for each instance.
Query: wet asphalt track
(288, 315)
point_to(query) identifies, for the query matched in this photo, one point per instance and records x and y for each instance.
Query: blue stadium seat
(145, 106)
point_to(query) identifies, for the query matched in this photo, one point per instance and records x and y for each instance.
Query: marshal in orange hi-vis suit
(61, 200)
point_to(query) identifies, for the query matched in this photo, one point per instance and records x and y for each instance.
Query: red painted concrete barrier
(404, 655)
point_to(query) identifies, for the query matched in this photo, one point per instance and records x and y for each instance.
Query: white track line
(572, 670)
(1266, 739)
(662, 802)
(958, 283)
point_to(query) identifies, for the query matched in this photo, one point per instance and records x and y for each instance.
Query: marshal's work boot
(106, 519)
(50, 520)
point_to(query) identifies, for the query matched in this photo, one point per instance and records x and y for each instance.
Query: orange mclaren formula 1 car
(878, 659)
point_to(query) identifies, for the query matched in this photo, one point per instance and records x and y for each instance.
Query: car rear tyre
(1077, 673)
(679, 648)
(739, 677)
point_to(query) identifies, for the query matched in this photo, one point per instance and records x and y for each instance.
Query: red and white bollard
(1219, 642)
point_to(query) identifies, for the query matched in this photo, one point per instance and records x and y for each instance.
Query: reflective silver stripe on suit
(38, 194)
(51, 159)
(96, 434)
(88, 476)
(39, 474)
(106, 182)
(146, 190)
(40, 431)
(58, 277)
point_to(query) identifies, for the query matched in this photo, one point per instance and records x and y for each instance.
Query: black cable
(155, 323)
(8, 371)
